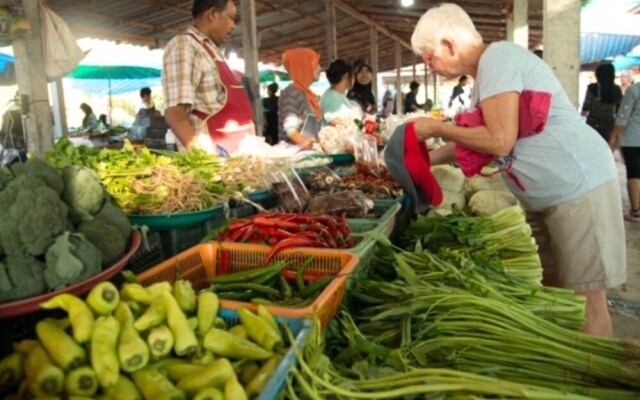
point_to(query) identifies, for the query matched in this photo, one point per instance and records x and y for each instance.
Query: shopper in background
(565, 172)
(410, 100)
(625, 81)
(457, 97)
(298, 104)
(337, 109)
(362, 90)
(626, 136)
(387, 104)
(206, 106)
(270, 110)
(147, 104)
(602, 100)
(89, 122)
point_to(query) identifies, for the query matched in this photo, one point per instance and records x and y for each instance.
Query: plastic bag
(287, 186)
(322, 180)
(353, 203)
(61, 51)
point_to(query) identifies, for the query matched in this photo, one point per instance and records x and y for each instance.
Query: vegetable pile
(56, 229)
(273, 284)
(375, 183)
(142, 182)
(283, 231)
(245, 174)
(159, 342)
(445, 316)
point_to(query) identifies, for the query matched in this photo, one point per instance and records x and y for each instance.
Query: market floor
(624, 302)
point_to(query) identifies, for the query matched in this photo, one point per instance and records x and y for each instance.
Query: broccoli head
(83, 193)
(21, 276)
(116, 217)
(71, 259)
(106, 237)
(31, 216)
(40, 169)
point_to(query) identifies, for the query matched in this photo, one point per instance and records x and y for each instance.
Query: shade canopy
(272, 75)
(114, 72)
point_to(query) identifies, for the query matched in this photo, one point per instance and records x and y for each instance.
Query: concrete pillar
(399, 103)
(32, 83)
(332, 41)
(510, 28)
(561, 36)
(250, 55)
(56, 92)
(374, 60)
(521, 23)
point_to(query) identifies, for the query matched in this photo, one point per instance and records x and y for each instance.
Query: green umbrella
(271, 75)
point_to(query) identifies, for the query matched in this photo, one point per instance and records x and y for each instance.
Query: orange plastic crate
(202, 261)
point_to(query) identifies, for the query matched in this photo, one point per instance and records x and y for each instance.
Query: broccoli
(31, 216)
(116, 217)
(71, 259)
(106, 237)
(23, 275)
(83, 193)
(40, 169)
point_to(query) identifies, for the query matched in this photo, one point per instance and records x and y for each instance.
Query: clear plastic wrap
(288, 188)
(353, 203)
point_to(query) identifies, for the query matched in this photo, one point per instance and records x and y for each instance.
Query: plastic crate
(242, 210)
(144, 259)
(202, 262)
(365, 246)
(385, 212)
(175, 241)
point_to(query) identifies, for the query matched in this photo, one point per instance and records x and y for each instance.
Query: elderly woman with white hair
(559, 168)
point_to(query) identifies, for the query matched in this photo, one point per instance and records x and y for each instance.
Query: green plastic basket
(343, 158)
(365, 246)
(165, 222)
(386, 212)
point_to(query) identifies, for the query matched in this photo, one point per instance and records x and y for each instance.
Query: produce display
(245, 174)
(375, 186)
(160, 342)
(56, 229)
(447, 315)
(142, 182)
(273, 284)
(283, 231)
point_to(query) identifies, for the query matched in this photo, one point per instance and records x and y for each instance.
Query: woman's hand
(427, 128)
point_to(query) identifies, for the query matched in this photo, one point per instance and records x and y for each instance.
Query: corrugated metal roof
(595, 47)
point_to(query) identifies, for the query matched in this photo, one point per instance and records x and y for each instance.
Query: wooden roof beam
(369, 21)
(166, 5)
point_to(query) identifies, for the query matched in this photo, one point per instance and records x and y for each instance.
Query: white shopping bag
(61, 52)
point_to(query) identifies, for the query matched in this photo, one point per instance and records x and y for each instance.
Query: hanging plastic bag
(61, 52)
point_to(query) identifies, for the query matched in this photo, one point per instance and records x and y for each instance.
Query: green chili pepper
(103, 298)
(246, 286)
(259, 381)
(154, 385)
(104, 347)
(225, 344)
(209, 394)
(124, 389)
(300, 272)
(185, 295)
(249, 275)
(81, 381)
(313, 289)
(185, 341)
(43, 376)
(215, 374)
(233, 390)
(238, 295)
(207, 311)
(80, 315)
(11, 370)
(62, 349)
(285, 288)
(155, 315)
(260, 331)
(160, 341)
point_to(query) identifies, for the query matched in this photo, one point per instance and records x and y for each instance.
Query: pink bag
(534, 111)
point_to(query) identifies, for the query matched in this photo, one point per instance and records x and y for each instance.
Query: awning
(606, 33)
(596, 47)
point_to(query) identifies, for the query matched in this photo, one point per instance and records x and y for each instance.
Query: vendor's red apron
(229, 125)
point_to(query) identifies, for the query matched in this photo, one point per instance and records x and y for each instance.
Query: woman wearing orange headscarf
(297, 102)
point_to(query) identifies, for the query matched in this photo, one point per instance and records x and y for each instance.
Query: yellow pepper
(160, 340)
(104, 347)
(185, 296)
(185, 341)
(133, 352)
(203, 357)
(209, 394)
(81, 381)
(25, 346)
(155, 315)
(135, 292)
(193, 323)
(11, 370)
(103, 298)
(239, 331)
(225, 344)
(260, 331)
(62, 349)
(154, 385)
(233, 390)
(266, 316)
(177, 372)
(43, 376)
(248, 371)
(124, 389)
(207, 311)
(215, 374)
(80, 315)
(259, 381)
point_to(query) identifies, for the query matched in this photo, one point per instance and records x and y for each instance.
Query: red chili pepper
(286, 244)
(307, 276)
(238, 223)
(272, 241)
(319, 244)
(239, 234)
(225, 261)
(308, 234)
(275, 232)
(275, 223)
